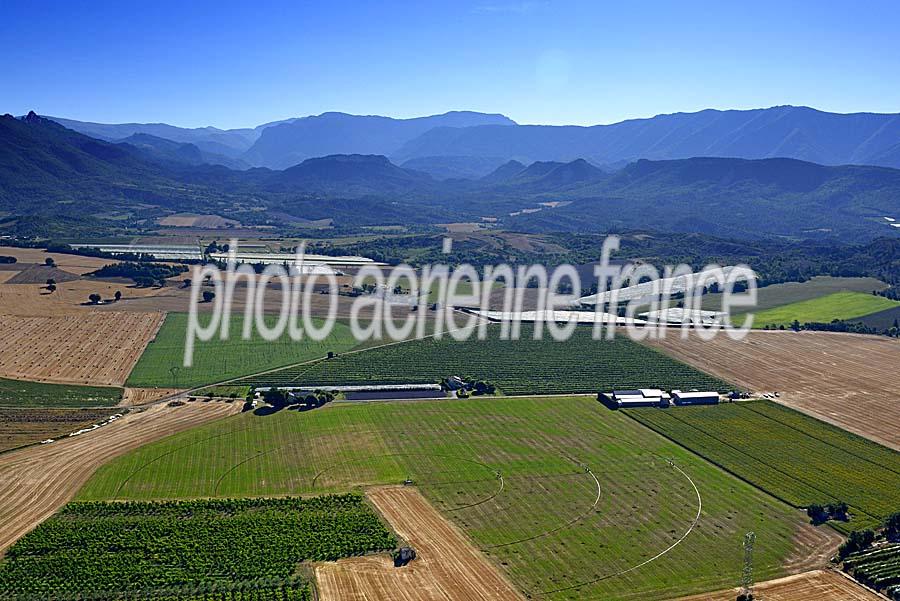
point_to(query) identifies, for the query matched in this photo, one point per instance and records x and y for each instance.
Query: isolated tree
(49, 262)
(50, 282)
(51, 288)
(95, 298)
(858, 540)
(186, 283)
(208, 296)
(892, 527)
(118, 295)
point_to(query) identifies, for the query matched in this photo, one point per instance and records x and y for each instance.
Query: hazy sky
(196, 63)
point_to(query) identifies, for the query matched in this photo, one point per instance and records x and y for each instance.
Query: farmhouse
(695, 398)
(643, 397)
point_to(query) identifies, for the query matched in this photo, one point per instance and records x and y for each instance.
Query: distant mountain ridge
(465, 144)
(785, 131)
(286, 144)
(52, 175)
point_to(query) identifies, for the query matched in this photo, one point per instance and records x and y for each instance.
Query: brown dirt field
(847, 380)
(88, 348)
(7, 275)
(142, 396)
(810, 586)
(39, 274)
(34, 299)
(201, 221)
(447, 566)
(35, 482)
(71, 263)
(20, 427)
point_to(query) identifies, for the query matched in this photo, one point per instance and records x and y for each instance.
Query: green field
(840, 305)
(177, 549)
(20, 393)
(778, 295)
(217, 360)
(543, 523)
(524, 366)
(794, 457)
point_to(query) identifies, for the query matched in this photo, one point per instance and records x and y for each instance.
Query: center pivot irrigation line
(166, 454)
(646, 561)
(562, 526)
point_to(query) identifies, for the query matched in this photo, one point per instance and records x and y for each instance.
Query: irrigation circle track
(646, 561)
(166, 454)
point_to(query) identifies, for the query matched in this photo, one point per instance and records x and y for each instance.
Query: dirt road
(447, 566)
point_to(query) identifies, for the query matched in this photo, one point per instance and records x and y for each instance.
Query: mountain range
(57, 182)
(463, 144)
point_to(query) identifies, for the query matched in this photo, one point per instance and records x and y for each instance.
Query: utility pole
(746, 593)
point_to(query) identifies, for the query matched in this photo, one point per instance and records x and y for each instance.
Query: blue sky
(196, 63)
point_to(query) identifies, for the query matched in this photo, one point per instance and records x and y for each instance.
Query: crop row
(879, 569)
(524, 366)
(794, 457)
(209, 546)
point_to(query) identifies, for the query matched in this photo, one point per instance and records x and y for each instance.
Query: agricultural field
(447, 566)
(36, 481)
(844, 379)
(624, 524)
(516, 367)
(90, 347)
(840, 305)
(791, 456)
(20, 427)
(218, 360)
(817, 585)
(22, 394)
(140, 549)
(882, 320)
(778, 295)
(878, 568)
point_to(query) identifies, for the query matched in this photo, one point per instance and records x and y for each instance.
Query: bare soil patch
(39, 274)
(447, 565)
(142, 396)
(20, 427)
(192, 220)
(36, 481)
(72, 263)
(91, 347)
(847, 380)
(819, 585)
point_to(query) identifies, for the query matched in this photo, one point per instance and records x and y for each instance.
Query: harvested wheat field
(447, 566)
(848, 380)
(143, 396)
(35, 482)
(72, 263)
(90, 347)
(819, 585)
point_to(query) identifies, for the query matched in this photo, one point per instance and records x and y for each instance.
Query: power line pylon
(746, 593)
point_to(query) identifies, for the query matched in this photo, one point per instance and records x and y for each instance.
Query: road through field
(818, 585)
(447, 565)
(848, 380)
(35, 482)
